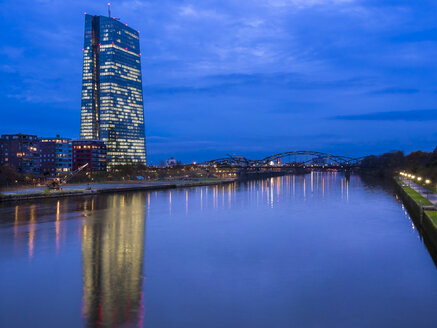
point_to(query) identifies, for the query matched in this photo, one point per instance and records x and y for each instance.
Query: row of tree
(418, 162)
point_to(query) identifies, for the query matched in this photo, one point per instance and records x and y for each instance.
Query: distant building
(171, 162)
(320, 160)
(112, 94)
(20, 151)
(56, 155)
(92, 152)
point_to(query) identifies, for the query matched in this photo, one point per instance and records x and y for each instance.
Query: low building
(89, 151)
(320, 160)
(171, 162)
(21, 151)
(56, 155)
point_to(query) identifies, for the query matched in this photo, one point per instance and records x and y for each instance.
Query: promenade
(81, 187)
(27, 193)
(428, 194)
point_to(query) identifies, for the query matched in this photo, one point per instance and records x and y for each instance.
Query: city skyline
(345, 77)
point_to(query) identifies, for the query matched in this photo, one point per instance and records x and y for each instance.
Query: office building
(112, 96)
(56, 155)
(92, 152)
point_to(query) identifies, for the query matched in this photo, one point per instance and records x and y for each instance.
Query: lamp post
(427, 181)
(412, 178)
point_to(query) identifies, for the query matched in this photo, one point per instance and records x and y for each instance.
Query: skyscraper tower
(112, 94)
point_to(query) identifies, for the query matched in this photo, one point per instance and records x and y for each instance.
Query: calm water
(313, 251)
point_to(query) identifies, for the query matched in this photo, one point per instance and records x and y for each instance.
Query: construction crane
(56, 183)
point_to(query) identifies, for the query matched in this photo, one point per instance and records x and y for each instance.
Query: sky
(247, 77)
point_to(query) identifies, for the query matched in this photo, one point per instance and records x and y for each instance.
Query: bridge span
(291, 162)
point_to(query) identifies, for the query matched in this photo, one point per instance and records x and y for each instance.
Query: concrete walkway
(99, 186)
(431, 196)
(77, 187)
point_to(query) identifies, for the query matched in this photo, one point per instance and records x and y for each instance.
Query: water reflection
(229, 235)
(112, 257)
(112, 235)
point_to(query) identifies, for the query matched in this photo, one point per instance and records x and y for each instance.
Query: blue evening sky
(350, 77)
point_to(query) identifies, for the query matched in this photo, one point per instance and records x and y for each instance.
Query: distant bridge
(290, 159)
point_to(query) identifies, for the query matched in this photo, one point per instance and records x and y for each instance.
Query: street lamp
(427, 181)
(419, 179)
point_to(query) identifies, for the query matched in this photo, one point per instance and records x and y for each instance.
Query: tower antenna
(109, 9)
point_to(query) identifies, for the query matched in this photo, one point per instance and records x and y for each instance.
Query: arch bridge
(290, 159)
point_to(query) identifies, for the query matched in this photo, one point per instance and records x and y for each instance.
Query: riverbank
(93, 189)
(422, 209)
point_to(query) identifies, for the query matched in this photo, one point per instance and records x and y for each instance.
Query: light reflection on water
(205, 263)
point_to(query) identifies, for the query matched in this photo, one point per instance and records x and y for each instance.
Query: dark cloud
(428, 35)
(408, 115)
(386, 91)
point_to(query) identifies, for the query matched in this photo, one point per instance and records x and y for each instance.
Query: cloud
(307, 3)
(417, 36)
(191, 11)
(407, 115)
(7, 69)
(239, 68)
(395, 91)
(13, 53)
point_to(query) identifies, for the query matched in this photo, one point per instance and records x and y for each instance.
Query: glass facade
(112, 94)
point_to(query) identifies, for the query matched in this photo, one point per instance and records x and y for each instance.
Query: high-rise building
(112, 94)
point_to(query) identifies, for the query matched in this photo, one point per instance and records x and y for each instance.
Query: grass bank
(433, 217)
(418, 198)
(419, 208)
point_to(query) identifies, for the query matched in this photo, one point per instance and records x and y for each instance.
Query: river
(295, 251)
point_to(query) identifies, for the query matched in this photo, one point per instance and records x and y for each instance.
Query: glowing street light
(419, 179)
(427, 181)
